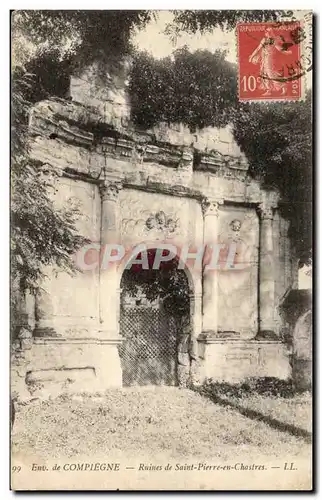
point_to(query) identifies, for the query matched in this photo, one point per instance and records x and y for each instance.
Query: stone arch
(187, 279)
(194, 281)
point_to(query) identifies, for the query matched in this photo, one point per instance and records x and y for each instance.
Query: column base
(219, 334)
(63, 365)
(45, 332)
(233, 360)
(267, 335)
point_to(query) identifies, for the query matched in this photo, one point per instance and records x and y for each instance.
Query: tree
(40, 234)
(80, 36)
(47, 45)
(192, 21)
(198, 89)
(277, 140)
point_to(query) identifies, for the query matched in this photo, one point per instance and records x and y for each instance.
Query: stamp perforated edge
(306, 23)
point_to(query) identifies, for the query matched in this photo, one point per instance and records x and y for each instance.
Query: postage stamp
(270, 62)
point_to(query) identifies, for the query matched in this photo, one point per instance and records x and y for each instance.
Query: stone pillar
(72, 357)
(266, 274)
(210, 277)
(23, 312)
(196, 322)
(108, 281)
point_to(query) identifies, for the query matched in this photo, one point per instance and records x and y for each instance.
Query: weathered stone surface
(74, 124)
(121, 178)
(56, 367)
(105, 91)
(238, 289)
(235, 360)
(302, 351)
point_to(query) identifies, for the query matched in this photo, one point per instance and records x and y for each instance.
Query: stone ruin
(121, 176)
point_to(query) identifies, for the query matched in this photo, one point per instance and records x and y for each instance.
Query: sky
(157, 43)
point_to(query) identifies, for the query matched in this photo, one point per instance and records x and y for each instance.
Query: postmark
(271, 61)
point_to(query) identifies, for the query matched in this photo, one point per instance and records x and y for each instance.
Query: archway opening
(154, 311)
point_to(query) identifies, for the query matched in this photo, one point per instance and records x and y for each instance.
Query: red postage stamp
(269, 60)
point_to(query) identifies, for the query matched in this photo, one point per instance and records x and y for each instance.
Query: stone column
(69, 354)
(210, 277)
(266, 274)
(196, 322)
(108, 280)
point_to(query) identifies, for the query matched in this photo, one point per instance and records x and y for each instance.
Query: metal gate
(149, 349)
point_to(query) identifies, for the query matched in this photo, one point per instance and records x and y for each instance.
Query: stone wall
(105, 90)
(297, 312)
(82, 365)
(234, 360)
(68, 305)
(197, 189)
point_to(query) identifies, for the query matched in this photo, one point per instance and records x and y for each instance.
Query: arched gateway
(83, 333)
(154, 319)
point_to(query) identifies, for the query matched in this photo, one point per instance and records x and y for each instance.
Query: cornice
(75, 124)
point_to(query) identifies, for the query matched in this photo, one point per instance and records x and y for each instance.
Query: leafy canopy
(192, 21)
(197, 89)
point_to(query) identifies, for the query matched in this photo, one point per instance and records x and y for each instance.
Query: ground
(151, 422)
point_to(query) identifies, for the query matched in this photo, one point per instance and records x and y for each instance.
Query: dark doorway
(153, 303)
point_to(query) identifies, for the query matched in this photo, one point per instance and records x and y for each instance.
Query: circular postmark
(287, 38)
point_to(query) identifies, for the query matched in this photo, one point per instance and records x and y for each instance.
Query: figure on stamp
(266, 55)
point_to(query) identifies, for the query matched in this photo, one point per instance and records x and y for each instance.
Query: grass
(273, 398)
(149, 421)
(295, 411)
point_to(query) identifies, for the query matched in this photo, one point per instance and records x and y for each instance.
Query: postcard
(161, 250)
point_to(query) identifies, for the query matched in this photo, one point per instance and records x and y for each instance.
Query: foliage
(206, 20)
(51, 75)
(40, 233)
(277, 140)
(168, 283)
(197, 89)
(264, 386)
(82, 36)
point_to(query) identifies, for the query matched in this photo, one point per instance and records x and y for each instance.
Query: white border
(4, 183)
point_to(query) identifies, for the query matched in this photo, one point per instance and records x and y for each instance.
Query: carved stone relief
(155, 217)
(237, 288)
(153, 226)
